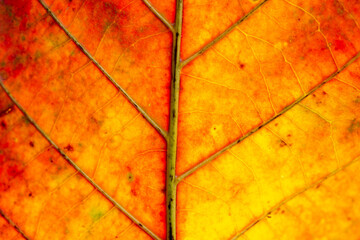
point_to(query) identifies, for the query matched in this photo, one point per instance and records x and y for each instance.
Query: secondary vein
(158, 15)
(222, 35)
(11, 222)
(287, 108)
(289, 198)
(107, 75)
(76, 167)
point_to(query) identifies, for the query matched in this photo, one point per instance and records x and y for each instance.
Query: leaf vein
(76, 167)
(289, 198)
(13, 224)
(159, 15)
(108, 76)
(222, 35)
(284, 110)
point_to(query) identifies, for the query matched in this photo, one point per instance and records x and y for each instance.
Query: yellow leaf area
(269, 119)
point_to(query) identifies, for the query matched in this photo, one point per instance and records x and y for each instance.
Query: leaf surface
(187, 120)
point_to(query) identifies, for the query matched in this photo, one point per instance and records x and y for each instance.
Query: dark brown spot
(69, 148)
(30, 194)
(282, 143)
(323, 92)
(31, 143)
(130, 177)
(3, 124)
(242, 66)
(7, 111)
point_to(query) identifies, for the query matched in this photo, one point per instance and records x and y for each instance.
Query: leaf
(179, 120)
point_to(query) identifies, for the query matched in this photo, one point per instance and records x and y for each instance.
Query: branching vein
(318, 30)
(289, 198)
(108, 76)
(222, 35)
(76, 167)
(158, 15)
(287, 108)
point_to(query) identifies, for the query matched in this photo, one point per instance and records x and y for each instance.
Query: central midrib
(171, 181)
